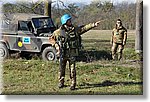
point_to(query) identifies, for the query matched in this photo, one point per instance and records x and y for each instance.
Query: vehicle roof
(24, 17)
(15, 17)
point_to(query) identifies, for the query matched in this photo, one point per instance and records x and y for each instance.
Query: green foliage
(23, 7)
(18, 7)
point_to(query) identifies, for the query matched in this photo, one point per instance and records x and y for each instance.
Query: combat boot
(60, 85)
(72, 87)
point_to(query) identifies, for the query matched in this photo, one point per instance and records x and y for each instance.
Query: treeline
(107, 11)
(82, 13)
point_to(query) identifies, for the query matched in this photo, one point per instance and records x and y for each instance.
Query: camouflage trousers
(115, 47)
(72, 70)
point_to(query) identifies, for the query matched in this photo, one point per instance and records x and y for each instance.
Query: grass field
(97, 74)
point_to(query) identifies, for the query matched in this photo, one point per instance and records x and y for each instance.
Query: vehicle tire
(4, 52)
(49, 54)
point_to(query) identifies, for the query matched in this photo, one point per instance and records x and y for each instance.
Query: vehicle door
(26, 40)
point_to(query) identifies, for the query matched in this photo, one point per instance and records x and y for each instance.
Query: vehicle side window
(22, 25)
(30, 27)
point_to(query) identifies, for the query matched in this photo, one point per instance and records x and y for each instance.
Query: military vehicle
(27, 34)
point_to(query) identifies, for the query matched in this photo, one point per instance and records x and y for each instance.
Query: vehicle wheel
(49, 54)
(4, 53)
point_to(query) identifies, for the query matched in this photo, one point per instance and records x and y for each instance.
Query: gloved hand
(96, 23)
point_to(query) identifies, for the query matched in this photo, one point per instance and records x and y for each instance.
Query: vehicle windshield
(40, 23)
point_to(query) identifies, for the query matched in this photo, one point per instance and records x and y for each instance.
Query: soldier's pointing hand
(96, 23)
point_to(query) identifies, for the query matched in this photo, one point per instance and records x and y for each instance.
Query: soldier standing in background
(118, 39)
(68, 35)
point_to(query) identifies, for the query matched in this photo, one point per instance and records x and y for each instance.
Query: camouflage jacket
(119, 35)
(73, 32)
(79, 30)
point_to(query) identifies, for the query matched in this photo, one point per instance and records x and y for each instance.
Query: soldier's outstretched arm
(88, 27)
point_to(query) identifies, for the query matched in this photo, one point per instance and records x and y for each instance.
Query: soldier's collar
(68, 29)
(120, 27)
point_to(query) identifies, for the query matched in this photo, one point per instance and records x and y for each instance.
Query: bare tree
(47, 9)
(139, 27)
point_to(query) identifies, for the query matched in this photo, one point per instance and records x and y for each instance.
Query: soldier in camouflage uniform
(118, 39)
(69, 37)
